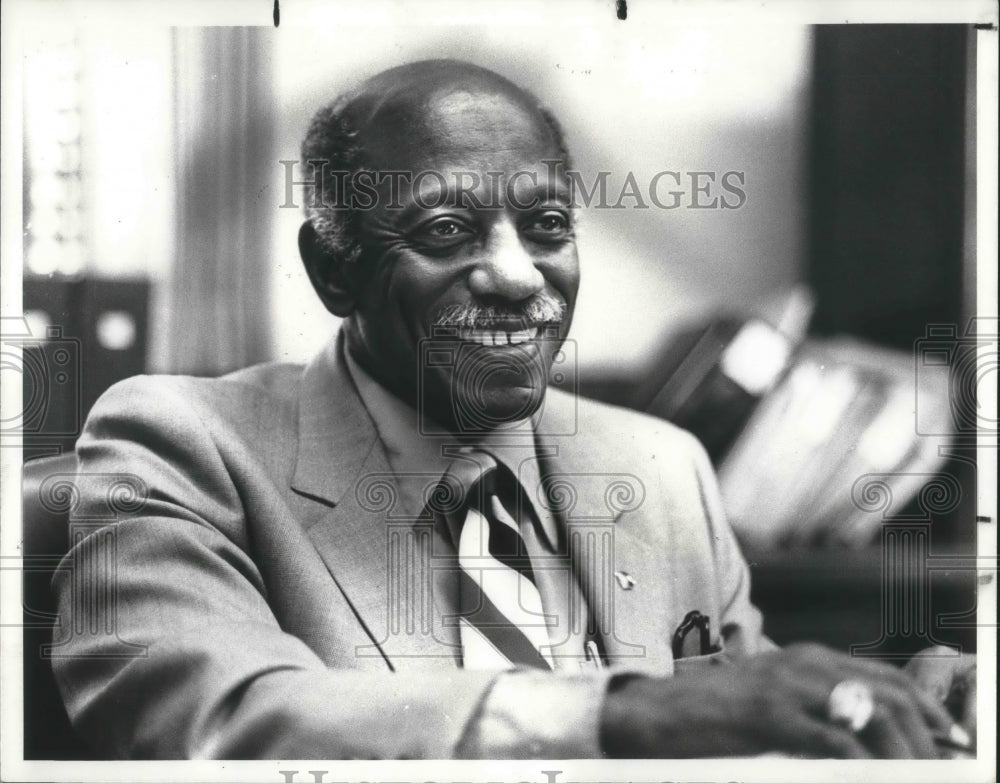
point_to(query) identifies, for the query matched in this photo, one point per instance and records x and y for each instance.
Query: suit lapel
(628, 596)
(394, 569)
(383, 562)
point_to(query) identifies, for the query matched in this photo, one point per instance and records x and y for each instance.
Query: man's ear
(326, 273)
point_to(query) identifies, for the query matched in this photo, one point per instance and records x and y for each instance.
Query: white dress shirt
(526, 713)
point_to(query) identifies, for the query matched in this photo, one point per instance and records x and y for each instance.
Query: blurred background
(156, 155)
(786, 333)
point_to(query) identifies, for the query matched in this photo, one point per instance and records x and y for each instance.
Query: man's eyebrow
(534, 195)
(425, 192)
(556, 191)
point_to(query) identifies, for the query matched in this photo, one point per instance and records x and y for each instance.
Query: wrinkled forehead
(471, 126)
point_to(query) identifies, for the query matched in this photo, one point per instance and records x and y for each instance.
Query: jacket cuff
(535, 715)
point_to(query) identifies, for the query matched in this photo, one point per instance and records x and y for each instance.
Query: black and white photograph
(563, 392)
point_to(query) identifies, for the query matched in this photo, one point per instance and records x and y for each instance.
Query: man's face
(484, 244)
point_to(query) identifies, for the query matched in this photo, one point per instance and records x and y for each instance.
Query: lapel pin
(625, 580)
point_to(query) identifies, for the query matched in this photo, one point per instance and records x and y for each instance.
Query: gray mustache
(539, 310)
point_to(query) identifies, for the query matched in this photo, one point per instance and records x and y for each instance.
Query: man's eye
(549, 225)
(442, 234)
(445, 228)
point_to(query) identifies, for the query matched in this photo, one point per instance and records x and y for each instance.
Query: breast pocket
(716, 657)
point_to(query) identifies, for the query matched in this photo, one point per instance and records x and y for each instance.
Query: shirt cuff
(534, 715)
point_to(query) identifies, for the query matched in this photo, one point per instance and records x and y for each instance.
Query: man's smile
(499, 337)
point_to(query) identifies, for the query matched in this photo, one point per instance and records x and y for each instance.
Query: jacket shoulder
(247, 405)
(275, 382)
(614, 423)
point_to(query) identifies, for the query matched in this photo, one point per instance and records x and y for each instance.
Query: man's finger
(820, 739)
(885, 738)
(879, 671)
(935, 714)
(908, 717)
(905, 720)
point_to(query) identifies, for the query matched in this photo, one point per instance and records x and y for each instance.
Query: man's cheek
(564, 275)
(390, 288)
(383, 248)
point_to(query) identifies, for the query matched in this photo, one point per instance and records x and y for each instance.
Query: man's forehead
(472, 120)
(413, 85)
(475, 120)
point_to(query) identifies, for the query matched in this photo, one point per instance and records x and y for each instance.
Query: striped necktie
(501, 621)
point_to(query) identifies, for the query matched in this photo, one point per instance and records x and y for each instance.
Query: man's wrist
(615, 725)
(530, 714)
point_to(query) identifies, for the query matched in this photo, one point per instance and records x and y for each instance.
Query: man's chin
(491, 409)
(512, 405)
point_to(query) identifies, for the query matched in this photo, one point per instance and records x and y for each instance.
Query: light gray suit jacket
(242, 585)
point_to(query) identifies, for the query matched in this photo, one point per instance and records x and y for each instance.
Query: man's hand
(948, 677)
(775, 702)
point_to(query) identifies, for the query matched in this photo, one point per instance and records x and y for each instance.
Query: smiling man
(420, 545)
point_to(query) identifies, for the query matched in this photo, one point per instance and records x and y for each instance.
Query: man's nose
(506, 269)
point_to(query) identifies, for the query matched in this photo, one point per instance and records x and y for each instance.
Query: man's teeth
(489, 337)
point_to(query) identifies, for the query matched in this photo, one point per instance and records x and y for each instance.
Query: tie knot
(468, 481)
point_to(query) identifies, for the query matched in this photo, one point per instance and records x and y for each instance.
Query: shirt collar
(414, 447)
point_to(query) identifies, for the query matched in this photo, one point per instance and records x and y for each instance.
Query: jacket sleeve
(166, 646)
(741, 623)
